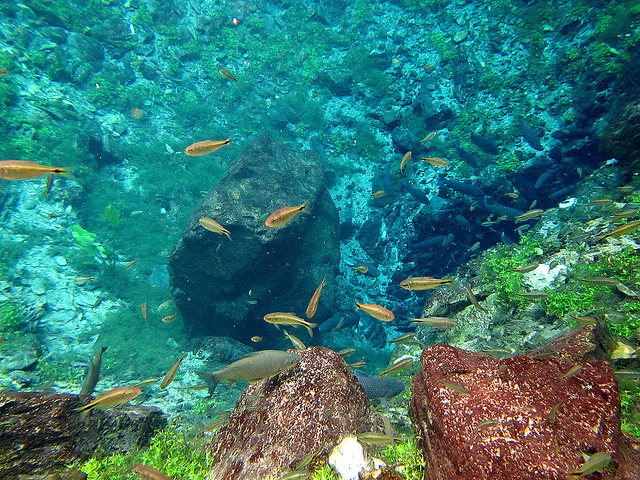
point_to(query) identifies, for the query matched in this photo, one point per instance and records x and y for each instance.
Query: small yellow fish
(529, 215)
(168, 378)
(131, 264)
(284, 318)
(115, 396)
(256, 339)
(423, 283)
(527, 268)
(143, 310)
(296, 341)
(397, 366)
(213, 226)
(455, 386)
(169, 318)
(513, 195)
(24, 170)
(534, 295)
(283, 215)
(436, 161)
(376, 311)
(359, 364)
(313, 303)
(437, 322)
(227, 74)
(430, 136)
(405, 159)
(472, 298)
(621, 230)
(378, 194)
(205, 147)
(345, 352)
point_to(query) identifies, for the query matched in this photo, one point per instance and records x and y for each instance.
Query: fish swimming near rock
(253, 367)
(94, 373)
(466, 156)
(168, 378)
(284, 215)
(315, 298)
(465, 188)
(213, 226)
(378, 387)
(24, 170)
(206, 147)
(501, 210)
(529, 135)
(416, 193)
(424, 283)
(115, 396)
(487, 144)
(227, 74)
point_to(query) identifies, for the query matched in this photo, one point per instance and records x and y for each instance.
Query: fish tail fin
(310, 327)
(228, 235)
(66, 172)
(210, 379)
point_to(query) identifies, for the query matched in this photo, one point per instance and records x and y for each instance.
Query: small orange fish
(313, 303)
(378, 194)
(169, 318)
(143, 309)
(227, 74)
(315, 95)
(115, 396)
(205, 147)
(213, 226)
(429, 136)
(428, 68)
(4, 72)
(376, 311)
(168, 378)
(436, 161)
(256, 339)
(283, 215)
(23, 170)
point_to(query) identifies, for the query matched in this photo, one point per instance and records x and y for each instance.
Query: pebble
(60, 260)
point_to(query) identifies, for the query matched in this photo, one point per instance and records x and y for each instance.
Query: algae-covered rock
(225, 286)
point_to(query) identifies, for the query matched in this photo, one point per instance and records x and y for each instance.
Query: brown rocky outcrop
(225, 287)
(278, 421)
(40, 433)
(516, 418)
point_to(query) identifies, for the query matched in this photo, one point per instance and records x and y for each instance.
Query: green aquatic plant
(112, 215)
(171, 452)
(408, 455)
(87, 243)
(11, 318)
(325, 472)
(630, 403)
(509, 162)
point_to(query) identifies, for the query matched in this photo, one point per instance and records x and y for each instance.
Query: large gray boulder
(225, 286)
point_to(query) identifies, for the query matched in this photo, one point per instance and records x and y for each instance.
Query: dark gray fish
(529, 135)
(465, 156)
(571, 132)
(501, 210)
(94, 373)
(429, 243)
(416, 193)
(485, 143)
(378, 387)
(463, 187)
(545, 177)
(338, 322)
(563, 192)
(255, 366)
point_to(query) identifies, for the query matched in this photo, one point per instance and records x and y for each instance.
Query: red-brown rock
(306, 409)
(519, 394)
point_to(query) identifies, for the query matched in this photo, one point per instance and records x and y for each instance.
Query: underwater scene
(325, 239)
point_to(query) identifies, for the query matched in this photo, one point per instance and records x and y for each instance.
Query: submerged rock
(516, 418)
(225, 286)
(41, 433)
(305, 410)
(621, 138)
